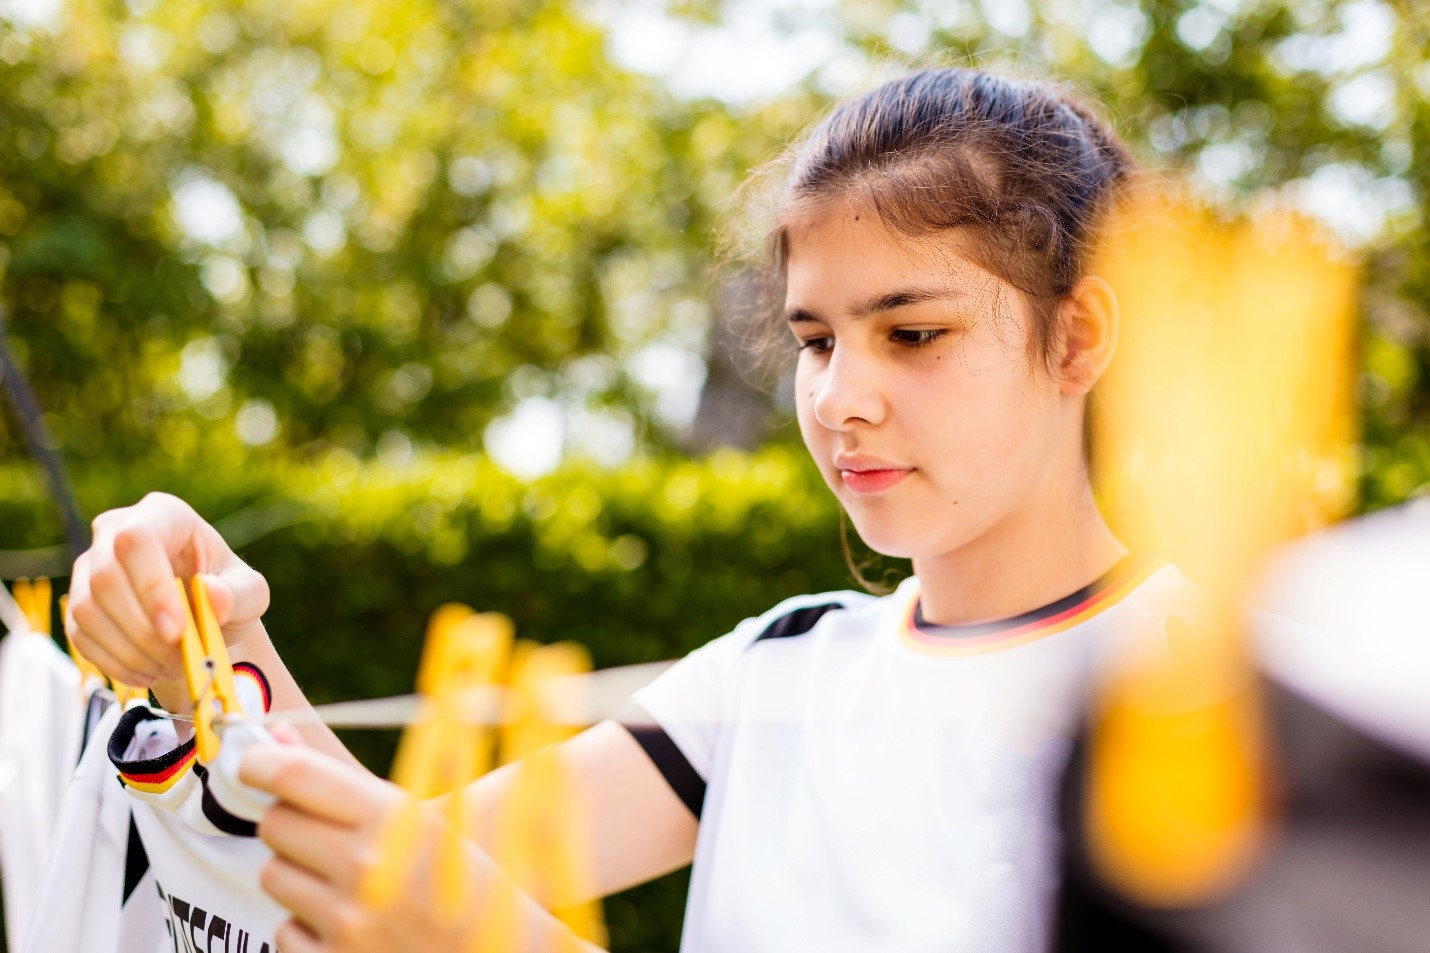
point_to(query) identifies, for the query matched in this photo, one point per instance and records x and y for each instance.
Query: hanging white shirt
(198, 827)
(45, 715)
(96, 894)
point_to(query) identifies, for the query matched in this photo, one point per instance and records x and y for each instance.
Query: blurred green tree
(340, 224)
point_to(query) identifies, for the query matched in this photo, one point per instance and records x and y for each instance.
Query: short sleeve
(678, 717)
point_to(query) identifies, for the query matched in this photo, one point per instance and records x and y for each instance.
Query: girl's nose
(847, 393)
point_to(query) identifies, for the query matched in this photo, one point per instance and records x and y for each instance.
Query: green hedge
(639, 564)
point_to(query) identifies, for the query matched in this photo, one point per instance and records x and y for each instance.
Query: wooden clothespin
(207, 669)
(446, 749)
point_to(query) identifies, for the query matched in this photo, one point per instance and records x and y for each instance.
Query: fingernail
(285, 734)
(167, 625)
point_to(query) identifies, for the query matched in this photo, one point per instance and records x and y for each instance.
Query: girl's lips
(871, 481)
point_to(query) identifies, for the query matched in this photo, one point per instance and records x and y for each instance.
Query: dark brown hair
(1025, 168)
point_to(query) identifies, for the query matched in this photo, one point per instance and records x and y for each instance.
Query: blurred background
(418, 300)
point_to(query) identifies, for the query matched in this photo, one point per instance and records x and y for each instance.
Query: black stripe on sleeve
(136, 861)
(667, 757)
(797, 622)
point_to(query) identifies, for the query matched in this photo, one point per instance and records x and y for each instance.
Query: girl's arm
(636, 826)
(329, 816)
(123, 614)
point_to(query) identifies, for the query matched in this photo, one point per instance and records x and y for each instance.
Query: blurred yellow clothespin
(541, 840)
(443, 751)
(1225, 426)
(33, 598)
(207, 669)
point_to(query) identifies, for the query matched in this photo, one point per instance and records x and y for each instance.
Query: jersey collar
(1055, 617)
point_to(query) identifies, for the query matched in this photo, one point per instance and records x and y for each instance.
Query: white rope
(574, 700)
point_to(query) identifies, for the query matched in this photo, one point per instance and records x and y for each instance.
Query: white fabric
(199, 886)
(863, 794)
(42, 720)
(207, 878)
(77, 906)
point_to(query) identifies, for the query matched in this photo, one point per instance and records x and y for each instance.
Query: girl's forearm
(545, 933)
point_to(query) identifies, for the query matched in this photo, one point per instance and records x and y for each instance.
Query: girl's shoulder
(802, 614)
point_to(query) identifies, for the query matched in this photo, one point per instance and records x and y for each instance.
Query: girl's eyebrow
(887, 301)
(899, 299)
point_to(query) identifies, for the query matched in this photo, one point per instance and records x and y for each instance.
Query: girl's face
(918, 395)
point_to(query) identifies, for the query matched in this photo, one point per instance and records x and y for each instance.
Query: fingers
(127, 615)
(286, 734)
(336, 854)
(110, 665)
(98, 638)
(141, 554)
(110, 590)
(239, 597)
(294, 937)
(311, 899)
(316, 784)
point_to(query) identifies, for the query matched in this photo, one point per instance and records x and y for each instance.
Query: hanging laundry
(198, 826)
(96, 894)
(47, 711)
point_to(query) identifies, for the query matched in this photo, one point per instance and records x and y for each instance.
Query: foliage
(353, 219)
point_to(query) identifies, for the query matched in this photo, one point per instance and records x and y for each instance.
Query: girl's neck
(1036, 556)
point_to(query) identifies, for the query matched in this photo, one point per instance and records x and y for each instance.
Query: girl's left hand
(323, 833)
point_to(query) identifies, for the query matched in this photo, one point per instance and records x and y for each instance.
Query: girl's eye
(918, 338)
(817, 345)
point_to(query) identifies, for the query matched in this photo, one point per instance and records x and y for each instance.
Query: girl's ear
(1087, 320)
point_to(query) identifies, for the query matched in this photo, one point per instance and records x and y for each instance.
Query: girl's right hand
(124, 611)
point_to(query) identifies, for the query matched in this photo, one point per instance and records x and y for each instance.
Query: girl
(846, 772)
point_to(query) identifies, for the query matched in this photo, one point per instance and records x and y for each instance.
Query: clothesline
(572, 700)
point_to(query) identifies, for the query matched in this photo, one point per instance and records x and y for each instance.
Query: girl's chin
(896, 542)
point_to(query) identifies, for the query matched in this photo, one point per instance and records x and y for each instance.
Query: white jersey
(198, 828)
(163, 857)
(96, 894)
(865, 781)
(45, 716)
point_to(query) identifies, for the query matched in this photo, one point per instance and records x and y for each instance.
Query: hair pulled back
(1023, 167)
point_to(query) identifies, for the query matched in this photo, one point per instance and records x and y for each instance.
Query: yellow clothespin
(542, 839)
(87, 669)
(447, 748)
(1225, 426)
(33, 599)
(207, 669)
